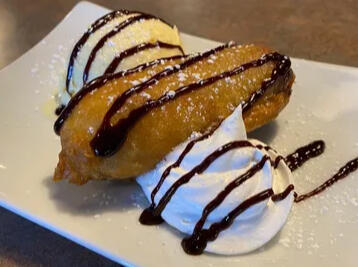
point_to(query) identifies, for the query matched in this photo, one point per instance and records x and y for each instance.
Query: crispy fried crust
(161, 129)
(268, 108)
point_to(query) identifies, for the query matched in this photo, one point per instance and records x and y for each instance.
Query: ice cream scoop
(231, 180)
(118, 41)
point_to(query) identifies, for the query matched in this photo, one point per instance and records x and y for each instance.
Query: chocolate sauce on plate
(343, 172)
(302, 154)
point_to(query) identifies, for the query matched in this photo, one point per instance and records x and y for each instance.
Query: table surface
(312, 29)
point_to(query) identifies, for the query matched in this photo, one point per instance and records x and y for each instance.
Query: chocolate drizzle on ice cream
(118, 35)
(128, 22)
(135, 49)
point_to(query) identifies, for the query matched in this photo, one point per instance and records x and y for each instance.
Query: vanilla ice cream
(255, 226)
(132, 37)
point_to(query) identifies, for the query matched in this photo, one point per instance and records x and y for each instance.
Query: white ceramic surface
(103, 216)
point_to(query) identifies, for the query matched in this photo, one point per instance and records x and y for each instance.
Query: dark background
(312, 29)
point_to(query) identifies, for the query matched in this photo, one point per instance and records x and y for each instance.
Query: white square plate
(103, 216)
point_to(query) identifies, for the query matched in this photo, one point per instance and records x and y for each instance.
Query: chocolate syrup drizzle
(196, 243)
(293, 160)
(118, 103)
(135, 49)
(100, 81)
(177, 163)
(109, 138)
(343, 172)
(111, 142)
(152, 214)
(93, 28)
(302, 154)
(109, 35)
(59, 109)
(186, 150)
(284, 194)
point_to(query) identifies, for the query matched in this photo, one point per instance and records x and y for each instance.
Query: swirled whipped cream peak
(231, 195)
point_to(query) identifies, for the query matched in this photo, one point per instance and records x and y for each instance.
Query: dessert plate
(103, 216)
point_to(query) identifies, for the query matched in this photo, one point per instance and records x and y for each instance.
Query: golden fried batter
(162, 128)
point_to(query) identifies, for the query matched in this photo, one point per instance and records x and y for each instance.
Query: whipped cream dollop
(252, 228)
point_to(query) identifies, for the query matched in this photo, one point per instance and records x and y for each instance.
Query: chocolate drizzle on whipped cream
(165, 174)
(109, 138)
(148, 216)
(284, 194)
(151, 215)
(98, 24)
(196, 243)
(293, 161)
